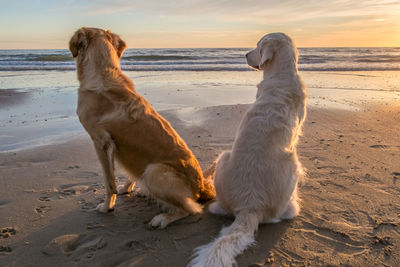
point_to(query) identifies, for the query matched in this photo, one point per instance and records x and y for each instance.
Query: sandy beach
(51, 180)
(350, 205)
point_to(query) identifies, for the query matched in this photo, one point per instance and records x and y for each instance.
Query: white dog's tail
(232, 241)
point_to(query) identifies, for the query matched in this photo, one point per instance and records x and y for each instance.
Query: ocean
(38, 88)
(209, 59)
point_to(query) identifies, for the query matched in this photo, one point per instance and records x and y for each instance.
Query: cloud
(212, 22)
(301, 18)
(94, 7)
(275, 10)
(258, 12)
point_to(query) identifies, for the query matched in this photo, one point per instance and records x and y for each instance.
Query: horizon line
(209, 47)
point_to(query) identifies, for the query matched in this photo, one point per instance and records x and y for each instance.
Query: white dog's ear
(267, 50)
(80, 41)
(117, 42)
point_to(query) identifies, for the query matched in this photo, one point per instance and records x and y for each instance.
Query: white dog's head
(270, 47)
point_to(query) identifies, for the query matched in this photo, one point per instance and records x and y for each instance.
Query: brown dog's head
(84, 38)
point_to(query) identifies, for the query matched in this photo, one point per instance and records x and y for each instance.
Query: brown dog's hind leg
(164, 183)
(105, 149)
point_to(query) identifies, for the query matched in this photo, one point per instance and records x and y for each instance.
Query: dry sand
(350, 200)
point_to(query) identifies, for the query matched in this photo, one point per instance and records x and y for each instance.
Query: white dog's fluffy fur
(257, 180)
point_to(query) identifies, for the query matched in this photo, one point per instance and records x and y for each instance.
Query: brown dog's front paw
(102, 207)
(125, 189)
(159, 222)
(108, 204)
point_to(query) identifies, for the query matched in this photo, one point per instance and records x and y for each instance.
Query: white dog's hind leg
(292, 209)
(219, 181)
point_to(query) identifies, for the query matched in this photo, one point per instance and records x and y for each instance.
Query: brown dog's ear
(117, 42)
(79, 42)
(120, 47)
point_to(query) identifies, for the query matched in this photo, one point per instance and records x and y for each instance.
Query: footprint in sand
(383, 243)
(370, 178)
(71, 171)
(87, 206)
(42, 210)
(73, 167)
(384, 234)
(76, 189)
(67, 190)
(5, 249)
(385, 147)
(6, 232)
(44, 198)
(30, 190)
(396, 176)
(86, 174)
(143, 246)
(74, 243)
(61, 244)
(96, 225)
(4, 202)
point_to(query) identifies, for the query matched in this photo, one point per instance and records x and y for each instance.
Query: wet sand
(350, 206)
(38, 107)
(9, 97)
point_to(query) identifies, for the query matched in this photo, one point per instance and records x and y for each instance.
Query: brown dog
(124, 126)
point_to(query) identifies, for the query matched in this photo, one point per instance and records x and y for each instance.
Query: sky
(47, 24)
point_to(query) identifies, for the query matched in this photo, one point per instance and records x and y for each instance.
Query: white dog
(257, 180)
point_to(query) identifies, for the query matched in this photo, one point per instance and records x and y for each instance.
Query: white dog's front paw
(216, 208)
(160, 221)
(102, 207)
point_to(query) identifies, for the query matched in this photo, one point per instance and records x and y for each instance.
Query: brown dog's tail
(208, 191)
